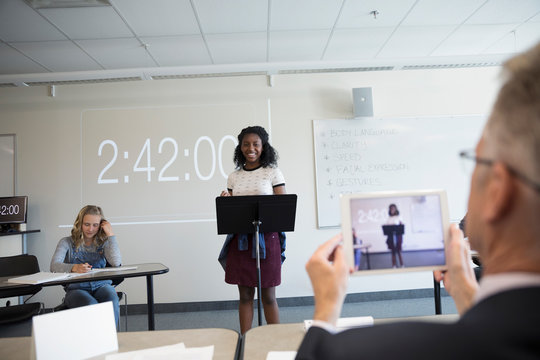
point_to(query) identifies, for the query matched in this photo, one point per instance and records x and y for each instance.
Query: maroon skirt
(241, 268)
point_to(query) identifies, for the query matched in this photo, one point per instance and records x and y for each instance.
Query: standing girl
(394, 241)
(256, 174)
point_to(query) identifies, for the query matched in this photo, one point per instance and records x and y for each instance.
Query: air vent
(448, 66)
(2, 85)
(194, 76)
(52, 4)
(356, 69)
(91, 81)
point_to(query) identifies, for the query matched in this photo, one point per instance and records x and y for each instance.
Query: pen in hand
(81, 268)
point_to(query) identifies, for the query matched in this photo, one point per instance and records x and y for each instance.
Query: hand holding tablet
(395, 231)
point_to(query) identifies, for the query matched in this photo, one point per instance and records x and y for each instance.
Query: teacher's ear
(500, 189)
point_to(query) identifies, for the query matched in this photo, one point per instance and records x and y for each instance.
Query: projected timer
(167, 147)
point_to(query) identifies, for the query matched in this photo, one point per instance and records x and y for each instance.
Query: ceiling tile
(535, 18)
(356, 14)
(505, 12)
(304, 14)
(183, 50)
(525, 36)
(58, 56)
(237, 48)
(118, 53)
(19, 22)
(441, 12)
(231, 16)
(159, 17)
(356, 44)
(472, 39)
(284, 45)
(13, 62)
(414, 41)
(88, 23)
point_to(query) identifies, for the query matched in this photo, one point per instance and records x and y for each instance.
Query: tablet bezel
(346, 225)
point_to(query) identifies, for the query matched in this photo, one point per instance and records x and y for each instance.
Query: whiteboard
(7, 164)
(385, 154)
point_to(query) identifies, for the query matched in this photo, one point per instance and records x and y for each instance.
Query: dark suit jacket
(503, 326)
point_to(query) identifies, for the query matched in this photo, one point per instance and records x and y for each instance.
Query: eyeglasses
(470, 155)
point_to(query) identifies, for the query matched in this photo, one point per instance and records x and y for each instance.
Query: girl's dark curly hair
(269, 155)
(390, 210)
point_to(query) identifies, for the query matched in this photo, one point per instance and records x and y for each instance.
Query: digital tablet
(395, 231)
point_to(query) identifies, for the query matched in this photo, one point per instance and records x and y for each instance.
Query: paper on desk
(281, 355)
(119, 268)
(45, 276)
(177, 351)
(346, 323)
(42, 277)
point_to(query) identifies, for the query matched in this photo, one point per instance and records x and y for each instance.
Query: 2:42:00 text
(144, 160)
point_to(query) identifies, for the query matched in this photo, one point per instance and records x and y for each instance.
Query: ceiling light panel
(47, 4)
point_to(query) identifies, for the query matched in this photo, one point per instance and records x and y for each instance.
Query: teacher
(256, 174)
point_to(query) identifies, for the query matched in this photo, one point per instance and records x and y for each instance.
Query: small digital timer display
(13, 209)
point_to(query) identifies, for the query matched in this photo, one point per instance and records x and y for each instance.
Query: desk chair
(16, 266)
(121, 295)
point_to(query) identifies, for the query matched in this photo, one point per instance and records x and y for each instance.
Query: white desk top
(224, 340)
(287, 337)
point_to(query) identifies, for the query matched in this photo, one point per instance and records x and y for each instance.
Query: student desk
(225, 342)
(287, 337)
(148, 270)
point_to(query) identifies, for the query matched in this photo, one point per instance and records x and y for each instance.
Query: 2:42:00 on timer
(167, 147)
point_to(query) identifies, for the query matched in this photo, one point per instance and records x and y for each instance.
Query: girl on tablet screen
(394, 241)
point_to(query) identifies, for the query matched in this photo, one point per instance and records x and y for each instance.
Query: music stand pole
(256, 224)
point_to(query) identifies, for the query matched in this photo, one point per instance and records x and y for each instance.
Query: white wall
(53, 152)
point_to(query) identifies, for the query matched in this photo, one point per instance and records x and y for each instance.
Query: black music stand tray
(253, 214)
(393, 229)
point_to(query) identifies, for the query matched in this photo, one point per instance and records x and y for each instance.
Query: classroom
(147, 132)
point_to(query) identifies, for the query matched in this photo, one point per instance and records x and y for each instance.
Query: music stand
(253, 214)
(393, 229)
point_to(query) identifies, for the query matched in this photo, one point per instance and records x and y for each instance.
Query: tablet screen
(395, 231)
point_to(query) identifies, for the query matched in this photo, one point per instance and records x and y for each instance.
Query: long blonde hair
(77, 235)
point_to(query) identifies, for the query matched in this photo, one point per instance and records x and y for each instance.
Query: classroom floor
(228, 319)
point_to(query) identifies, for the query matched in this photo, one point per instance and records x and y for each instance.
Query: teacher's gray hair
(512, 133)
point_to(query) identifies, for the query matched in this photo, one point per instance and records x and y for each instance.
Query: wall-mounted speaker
(362, 102)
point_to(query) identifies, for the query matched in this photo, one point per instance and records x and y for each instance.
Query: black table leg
(437, 295)
(150, 301)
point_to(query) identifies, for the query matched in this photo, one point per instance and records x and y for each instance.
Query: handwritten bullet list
(348, 160)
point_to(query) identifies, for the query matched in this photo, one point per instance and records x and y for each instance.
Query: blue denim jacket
(243, 246)
(94, 258)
